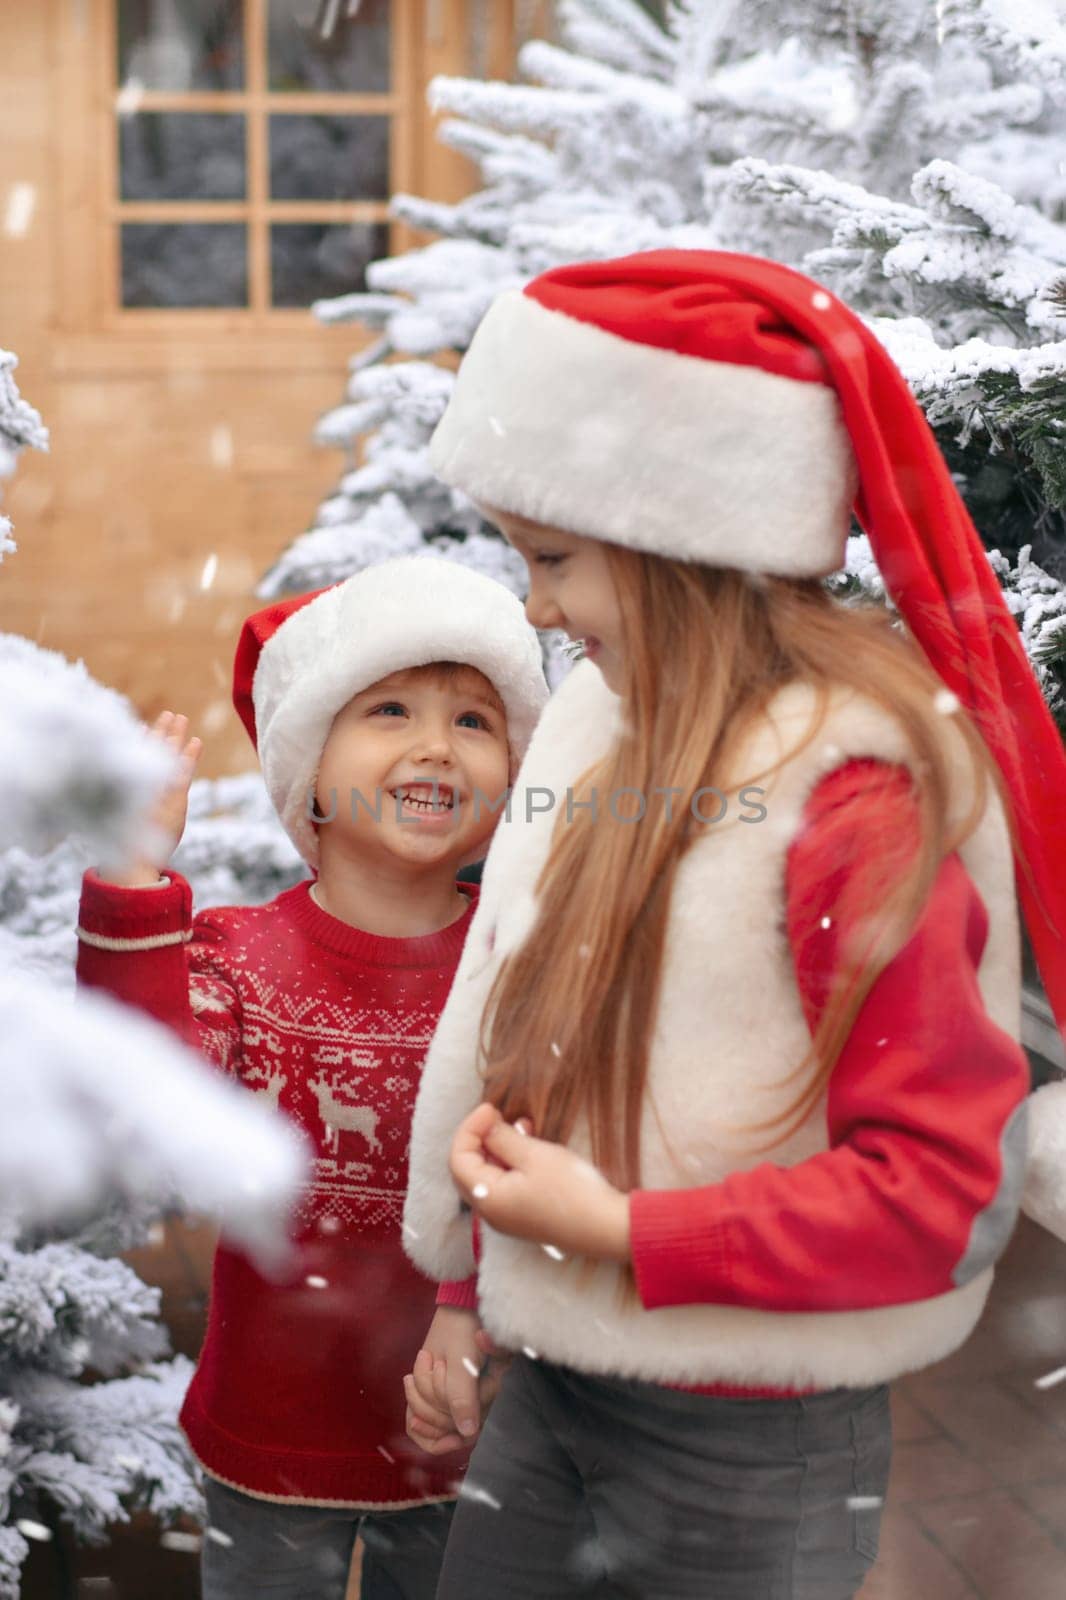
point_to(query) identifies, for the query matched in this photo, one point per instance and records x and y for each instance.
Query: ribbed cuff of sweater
(461, 1294)
(125, 917)
(680, 1257)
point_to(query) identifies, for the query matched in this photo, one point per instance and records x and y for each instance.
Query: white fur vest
(730, 1025)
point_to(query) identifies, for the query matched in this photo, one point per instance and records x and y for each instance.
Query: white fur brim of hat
(397, 614)
(562, 422)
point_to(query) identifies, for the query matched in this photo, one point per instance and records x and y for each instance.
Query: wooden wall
(167, 448)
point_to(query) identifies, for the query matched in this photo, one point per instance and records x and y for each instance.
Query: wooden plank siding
(176, 435)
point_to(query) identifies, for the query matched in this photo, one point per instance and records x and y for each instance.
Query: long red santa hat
(720, 408)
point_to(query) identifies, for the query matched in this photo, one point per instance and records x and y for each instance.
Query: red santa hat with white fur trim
(300, 660)
(720, 408)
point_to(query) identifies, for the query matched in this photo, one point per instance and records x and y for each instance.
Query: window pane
(181, 155)
(184, 264)
(314, 44)
(181, 44)
(309, 261)
(329, 158)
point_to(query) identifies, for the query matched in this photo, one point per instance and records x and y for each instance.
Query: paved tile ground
(977, 1501)
(977, 1498)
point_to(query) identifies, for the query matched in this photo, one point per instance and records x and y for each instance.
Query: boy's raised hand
(167, 816)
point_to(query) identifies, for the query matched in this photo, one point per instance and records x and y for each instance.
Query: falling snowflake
(188, 1543)
(472, 1491)
(33, 1530)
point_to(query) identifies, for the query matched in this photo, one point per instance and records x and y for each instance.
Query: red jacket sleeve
(917, 1191)
(462, 1292)
(145, 947)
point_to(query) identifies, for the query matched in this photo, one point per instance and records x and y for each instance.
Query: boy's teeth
(426, 803)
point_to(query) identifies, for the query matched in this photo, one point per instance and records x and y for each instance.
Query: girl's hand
(456, 1375)
(168, 815)
(533, 1189)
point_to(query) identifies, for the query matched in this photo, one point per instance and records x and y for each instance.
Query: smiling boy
(424, 753)
(382, 709)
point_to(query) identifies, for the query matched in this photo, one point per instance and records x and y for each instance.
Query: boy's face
(393, 742)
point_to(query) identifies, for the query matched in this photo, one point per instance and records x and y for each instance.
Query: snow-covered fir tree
(107, 1119)
(20, 427)
(907, 152)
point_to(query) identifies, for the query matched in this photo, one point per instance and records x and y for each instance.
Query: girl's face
(570, 587)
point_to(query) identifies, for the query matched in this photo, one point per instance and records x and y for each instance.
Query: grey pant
(254, 1547)
(607, 1489)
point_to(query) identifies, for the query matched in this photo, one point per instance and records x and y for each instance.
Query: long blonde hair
(567, 1027)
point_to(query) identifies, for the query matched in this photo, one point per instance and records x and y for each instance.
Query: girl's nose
(541, 610)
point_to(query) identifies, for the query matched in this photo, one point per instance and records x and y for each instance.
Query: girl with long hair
(729, 1077)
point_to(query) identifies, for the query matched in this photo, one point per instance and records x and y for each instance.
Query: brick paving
(976, 1504)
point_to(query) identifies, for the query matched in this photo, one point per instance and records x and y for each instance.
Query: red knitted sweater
(298, 1393)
